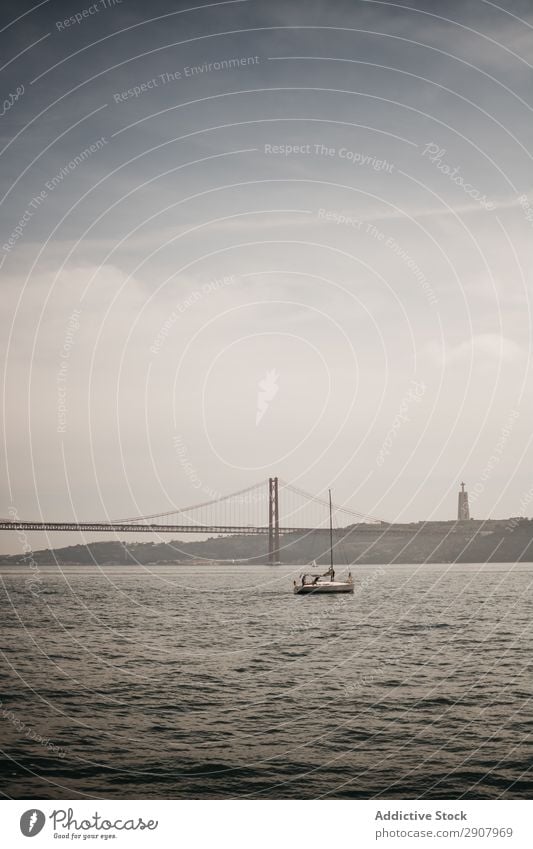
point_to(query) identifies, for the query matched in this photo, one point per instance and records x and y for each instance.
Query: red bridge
(223, 515)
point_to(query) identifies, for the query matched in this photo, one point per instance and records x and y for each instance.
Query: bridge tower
(273, 521)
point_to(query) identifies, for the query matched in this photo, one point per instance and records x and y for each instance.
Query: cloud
(478, 349)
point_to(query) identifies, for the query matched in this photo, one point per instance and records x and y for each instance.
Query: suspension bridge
(287, 509)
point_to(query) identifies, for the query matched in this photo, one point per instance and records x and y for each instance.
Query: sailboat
(312, 582)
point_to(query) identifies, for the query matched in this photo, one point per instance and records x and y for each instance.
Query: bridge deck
(124, 527)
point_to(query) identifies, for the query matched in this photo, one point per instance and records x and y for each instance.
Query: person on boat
(315, 580)
(332, 573)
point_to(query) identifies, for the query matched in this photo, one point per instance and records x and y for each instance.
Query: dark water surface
(217, 682)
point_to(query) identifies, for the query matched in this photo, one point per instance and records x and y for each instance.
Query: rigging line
(175, 512)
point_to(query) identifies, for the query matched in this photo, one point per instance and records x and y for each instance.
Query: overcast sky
(266, 238)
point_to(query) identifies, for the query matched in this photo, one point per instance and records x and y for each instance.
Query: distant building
(463, 510)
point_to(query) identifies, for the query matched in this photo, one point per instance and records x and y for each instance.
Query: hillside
(425, 542)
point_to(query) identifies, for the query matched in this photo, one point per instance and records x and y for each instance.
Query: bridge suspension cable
(325, 503)
(218, 500)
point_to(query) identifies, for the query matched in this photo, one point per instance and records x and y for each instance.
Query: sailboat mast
(330, 532)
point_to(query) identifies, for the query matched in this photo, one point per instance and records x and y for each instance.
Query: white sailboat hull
(325, 587)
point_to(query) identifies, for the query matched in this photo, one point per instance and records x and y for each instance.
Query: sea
(217, 682)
